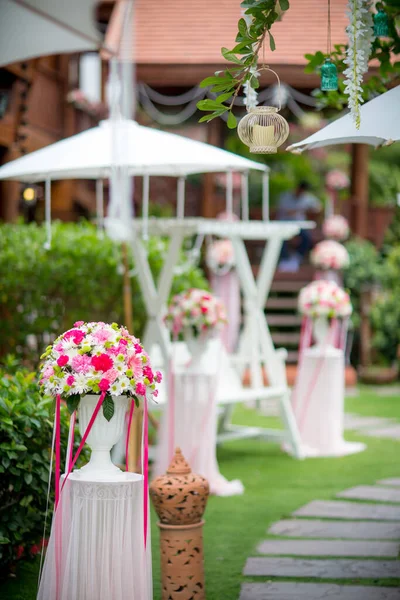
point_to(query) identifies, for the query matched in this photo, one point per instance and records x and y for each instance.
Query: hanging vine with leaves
(243, 58)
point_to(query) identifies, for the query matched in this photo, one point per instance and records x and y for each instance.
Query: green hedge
(25, 441)
(42, 293)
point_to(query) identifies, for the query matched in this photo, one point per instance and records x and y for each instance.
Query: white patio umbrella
(380, 125)
(142, 150)
(94, 153)
(31, 28)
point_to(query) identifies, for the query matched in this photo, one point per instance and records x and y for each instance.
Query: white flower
(360, 38)
(115, 389)
(80, 385)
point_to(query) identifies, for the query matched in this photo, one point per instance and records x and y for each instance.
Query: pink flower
(123, 342)
(75, 334)
(135, 365)
(79, 323)
(102, 362)
(70, 380)
(81, 363)
(147, 372)
(158, 377)
(104, 385)
(102, 335)
(140, 389)
(63, 360)
(111, 375)
(138, 349)
(48, 372)
(204, 309)
(124, 331)
(59, 347)
(79, 336)
(19, 552)
(122, 349)
(155, 393)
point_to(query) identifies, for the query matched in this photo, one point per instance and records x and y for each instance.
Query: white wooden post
(180, 203)
(229, 193)
(47, 210)
(100, 207)
(145, 206)
(245, 196)
(265, 196)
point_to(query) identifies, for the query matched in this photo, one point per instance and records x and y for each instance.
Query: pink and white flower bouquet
(92, 358)
(220, 257)
(197, 311)
(337, 180)
(323, 298)
(330, 255)
(336, 228)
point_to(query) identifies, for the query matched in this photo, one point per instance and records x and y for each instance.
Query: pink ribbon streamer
(145, 468)
(132, 408)
(84, 437)
(58, 450)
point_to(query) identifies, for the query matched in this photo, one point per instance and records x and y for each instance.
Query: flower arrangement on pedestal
(330, 255)
(195, 311)
(93, 358)
(220, 257)
(337, 180)
(323, 298)
(336, 228)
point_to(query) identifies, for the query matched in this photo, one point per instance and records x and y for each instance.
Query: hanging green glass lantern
(381, 24)
(329, 76)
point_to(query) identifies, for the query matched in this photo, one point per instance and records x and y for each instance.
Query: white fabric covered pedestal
(318, 402)
(102, 554)
(189, 420)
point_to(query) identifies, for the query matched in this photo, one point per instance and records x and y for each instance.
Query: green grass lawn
(275, 486)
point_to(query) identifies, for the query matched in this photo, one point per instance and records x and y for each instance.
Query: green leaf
(73, 402)
(271, 41)
(284, 4)
(224, 97)
(232, 122)
(242, 27)
(108, 407)
(208, 105)
(229, 55)
(212, 81)
(28, 478)
(254, 83)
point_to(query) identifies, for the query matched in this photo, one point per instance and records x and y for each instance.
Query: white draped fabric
(96, 548)
(189, 420)
(318, 402)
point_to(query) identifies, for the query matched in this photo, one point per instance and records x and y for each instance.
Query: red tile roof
(192, 32)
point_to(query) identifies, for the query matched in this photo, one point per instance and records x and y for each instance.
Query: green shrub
(25, 444)
(385, 314)
(42, 293)
(365, 270)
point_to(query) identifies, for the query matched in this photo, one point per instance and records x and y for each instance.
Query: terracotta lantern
(179, 498)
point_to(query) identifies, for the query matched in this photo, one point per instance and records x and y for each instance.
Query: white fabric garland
(360, 38)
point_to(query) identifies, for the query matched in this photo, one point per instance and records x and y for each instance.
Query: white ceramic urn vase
(321, 332)
(197, 345)
(102, 437)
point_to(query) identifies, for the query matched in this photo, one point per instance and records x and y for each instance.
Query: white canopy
(141, 150)
(380, 124)
(31, 28)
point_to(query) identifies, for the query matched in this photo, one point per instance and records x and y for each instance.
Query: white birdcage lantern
(263, 129)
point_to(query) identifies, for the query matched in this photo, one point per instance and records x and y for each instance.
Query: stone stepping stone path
(332, 509)
(329, 548)
(354, 530)
(339, 540)
(359, 422)
(372, 492)
(390, 432)
(343, 568)
(394, 481)
(315, 591)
